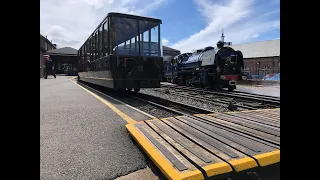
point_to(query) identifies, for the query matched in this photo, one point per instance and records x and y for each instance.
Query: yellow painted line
(121, 114)
(162, 163)
(258, 110)
(73, 78)
(218, 168)
(266, 159)
(243, 163)
(123, 103)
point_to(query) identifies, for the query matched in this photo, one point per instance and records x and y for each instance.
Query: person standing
(49, 68)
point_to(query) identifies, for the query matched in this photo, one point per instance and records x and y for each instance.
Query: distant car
(256, 77)
(246, 75)
(268, 76)
(274, 77)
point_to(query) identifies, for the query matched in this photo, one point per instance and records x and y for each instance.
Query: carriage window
(156, 47)
(145, 45)
(124, 29)
(100, 42)
(93, 47)
(96, 45)
(88, 50)
(105, 38)
(40, 61)
(133, 47)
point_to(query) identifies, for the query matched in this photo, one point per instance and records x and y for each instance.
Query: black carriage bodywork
(124, 52)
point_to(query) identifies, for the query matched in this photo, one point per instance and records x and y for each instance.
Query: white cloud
(70, 22)
(165, 42)
(239, 19)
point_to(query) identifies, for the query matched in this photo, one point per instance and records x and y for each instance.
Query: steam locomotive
(210, 67)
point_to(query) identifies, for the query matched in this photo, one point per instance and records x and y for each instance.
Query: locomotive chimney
(222, 37)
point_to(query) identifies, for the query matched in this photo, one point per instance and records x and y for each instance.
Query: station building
(261, 58)
(64, 60)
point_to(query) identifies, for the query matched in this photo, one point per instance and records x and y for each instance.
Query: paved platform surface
(80, 137)
(211, 145)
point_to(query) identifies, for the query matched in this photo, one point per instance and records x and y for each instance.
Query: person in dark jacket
(49, 68)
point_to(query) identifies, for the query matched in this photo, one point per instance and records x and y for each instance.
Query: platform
(212, 145)
(83, 134)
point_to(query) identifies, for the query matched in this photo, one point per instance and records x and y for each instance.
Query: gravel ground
(150, 109)
(217, 107)
(270, 90)
(260, 89)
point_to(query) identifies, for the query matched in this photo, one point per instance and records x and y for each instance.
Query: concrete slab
(80, 137)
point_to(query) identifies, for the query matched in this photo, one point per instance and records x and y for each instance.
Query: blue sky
(187, 24)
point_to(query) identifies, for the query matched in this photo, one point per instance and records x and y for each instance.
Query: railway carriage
(123, 52)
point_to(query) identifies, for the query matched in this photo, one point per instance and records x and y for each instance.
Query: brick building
(261, 58)
(45, 45)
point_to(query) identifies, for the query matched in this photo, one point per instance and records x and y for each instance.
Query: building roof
(45, 39)
(68, 51)
(165, 48)
(43, 47)
(65, 51)
(268, 48)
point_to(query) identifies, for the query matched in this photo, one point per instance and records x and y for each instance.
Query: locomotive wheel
(129, 89)
(218, 87)
(180, 81)
(174, 80)
(136, 90)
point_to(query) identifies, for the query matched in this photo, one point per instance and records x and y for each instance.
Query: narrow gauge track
(173, 107)
(248, 101)
(169, 105)
(252, 94)
(232, 93)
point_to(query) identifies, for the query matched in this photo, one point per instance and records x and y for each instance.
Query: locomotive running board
(211, 145)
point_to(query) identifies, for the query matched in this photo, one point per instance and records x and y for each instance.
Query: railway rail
(243, 100)
(172, 106)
